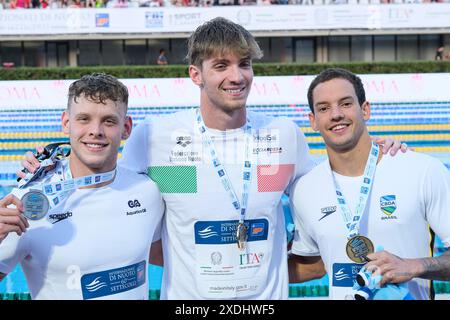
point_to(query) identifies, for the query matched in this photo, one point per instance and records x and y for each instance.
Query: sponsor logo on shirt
(184, 141)
(388, 205)
(344, 274)
(265, 138)
(224, 232)
(135, 204)
(268, 150)
(57, 217)
(327, 211)
(108, 282)
(250, 259)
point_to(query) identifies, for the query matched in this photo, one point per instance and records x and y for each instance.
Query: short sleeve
(303, 243)
(437, 199)
(136, 149)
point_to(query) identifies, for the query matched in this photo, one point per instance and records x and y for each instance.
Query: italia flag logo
(387, 204)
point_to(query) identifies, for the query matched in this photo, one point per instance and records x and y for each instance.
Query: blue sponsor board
(344, 274)
(224, 232)
(108, 282)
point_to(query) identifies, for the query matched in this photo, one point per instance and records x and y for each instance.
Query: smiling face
(95, 130)
(338, 116)
(225, 81)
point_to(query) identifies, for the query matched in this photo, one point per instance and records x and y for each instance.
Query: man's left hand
(391, 145)
(392, 268)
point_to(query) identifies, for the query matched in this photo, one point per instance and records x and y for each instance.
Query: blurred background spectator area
(52, 4)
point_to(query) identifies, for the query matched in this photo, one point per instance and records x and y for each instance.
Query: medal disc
(358, 248)
(35, 205)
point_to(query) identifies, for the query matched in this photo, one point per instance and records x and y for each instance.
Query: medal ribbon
(50, 161)
(352, 221)
(241, 206)
(58, 192)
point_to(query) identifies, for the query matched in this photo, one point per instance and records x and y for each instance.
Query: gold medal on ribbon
(358, 248)
(241, 235)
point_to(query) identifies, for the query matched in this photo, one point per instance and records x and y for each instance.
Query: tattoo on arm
(437, 268)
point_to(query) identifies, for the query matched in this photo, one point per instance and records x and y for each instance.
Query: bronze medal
(241, 235)
(358, 248)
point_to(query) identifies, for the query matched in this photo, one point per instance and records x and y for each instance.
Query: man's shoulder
(312, 180)
(413, 160)
(132, 178)
(173, 119)
(262, 120)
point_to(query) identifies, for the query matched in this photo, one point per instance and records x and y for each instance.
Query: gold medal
(241, 235)
(358, 248)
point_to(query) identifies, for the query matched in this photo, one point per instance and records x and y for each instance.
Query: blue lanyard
(239, 206)
(58, 192)
(352, 221)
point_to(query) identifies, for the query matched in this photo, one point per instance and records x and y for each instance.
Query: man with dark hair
(359, 200)
(222, 171)
(69, 246)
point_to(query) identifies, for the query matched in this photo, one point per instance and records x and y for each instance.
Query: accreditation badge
(35, 205)
(358, 247)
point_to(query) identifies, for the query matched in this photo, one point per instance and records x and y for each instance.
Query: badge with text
(108, 282)
(35, 205)
(358, 248)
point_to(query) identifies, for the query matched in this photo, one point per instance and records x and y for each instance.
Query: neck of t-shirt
(351, 163)
(218, 119)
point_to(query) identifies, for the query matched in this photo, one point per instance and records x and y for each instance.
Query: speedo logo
(327, 211)
(57, 217)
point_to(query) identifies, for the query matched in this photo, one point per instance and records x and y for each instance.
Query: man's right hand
(11, 220)
(30, 163)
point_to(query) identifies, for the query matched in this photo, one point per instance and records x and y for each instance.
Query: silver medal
(35, 205)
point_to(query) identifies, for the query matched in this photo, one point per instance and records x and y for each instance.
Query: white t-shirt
(410, 195)
(201, 257)
(93, 246)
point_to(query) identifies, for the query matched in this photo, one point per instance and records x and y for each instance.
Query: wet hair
(220, 36)
(337, 73)
(98, 87)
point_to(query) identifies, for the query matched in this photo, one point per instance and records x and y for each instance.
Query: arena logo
(184, 141)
